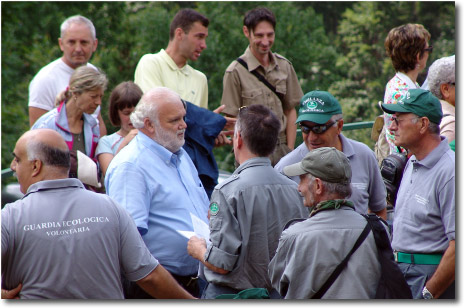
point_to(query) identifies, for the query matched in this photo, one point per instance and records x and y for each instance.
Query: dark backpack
(392, 284)
(392, 169)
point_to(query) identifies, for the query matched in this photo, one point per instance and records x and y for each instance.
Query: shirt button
(235, 176)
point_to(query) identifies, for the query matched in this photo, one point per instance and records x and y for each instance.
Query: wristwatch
(426, 293)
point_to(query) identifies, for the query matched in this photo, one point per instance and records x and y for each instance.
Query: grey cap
(328, 164)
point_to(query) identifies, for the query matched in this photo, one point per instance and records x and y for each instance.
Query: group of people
(124, 239)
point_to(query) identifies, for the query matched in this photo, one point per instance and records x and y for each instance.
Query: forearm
(291, 127)
(197, 249)
(445, 273)
(160, 284)
(382, 213)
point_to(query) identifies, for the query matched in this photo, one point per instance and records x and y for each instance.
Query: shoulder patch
(213, 208)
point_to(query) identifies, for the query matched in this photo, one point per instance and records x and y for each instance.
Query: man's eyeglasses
(395, 119)
(317, 129)
(429, 49)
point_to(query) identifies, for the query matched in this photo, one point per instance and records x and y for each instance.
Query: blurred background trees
(334, 46)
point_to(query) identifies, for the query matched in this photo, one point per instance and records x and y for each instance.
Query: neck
(425, 147)
(264, 59)
(242, 155)
(74, 116)
(69, 64)
(412, 74)
(173, 51)
(122, 132)
(338, 144)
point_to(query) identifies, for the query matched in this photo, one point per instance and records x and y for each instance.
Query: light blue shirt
(109, 144)
(159, 189)
(424, 220)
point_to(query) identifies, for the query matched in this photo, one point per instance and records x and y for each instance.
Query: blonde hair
(83, 79)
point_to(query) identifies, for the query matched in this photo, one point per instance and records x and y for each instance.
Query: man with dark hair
(310, 250)
(424, 219)
(321, 120)
(62, 241)
(282, 91)
(169, 68)
(78, 41)
(248, 210)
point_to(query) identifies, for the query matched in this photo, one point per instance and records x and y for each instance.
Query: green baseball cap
(318, 107)
(328, 164)
(420, 102)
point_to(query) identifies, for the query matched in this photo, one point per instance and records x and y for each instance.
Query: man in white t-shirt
(78, 41)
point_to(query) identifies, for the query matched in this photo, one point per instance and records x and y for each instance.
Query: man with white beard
(154, 178)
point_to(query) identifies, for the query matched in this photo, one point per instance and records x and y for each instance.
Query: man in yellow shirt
(169, 68)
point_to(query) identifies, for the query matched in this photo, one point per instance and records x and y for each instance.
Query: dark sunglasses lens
(319, 129)
(304, 129)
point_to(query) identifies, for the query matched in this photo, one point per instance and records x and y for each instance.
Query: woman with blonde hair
(408, 47)
(72, 118)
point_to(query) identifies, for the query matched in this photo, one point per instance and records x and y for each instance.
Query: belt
(418, 258)
(185, 280)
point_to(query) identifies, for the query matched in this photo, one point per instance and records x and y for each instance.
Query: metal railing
(6, 173)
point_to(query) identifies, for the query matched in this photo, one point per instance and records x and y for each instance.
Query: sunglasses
(317, 129)
(429, 49)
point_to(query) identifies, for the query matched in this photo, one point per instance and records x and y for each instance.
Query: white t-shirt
(50, 81)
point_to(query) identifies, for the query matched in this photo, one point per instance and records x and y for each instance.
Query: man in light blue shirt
(156, 181)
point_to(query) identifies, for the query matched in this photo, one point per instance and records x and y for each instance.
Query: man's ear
(340, 126)
(36, 167)
(246, 32)
(319, 186)
(148, 125)
(424, 124)
(178, 33)
(239, 140)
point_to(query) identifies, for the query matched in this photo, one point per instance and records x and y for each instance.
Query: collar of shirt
(430, 160)
(253, 162)
(165, 155)
(61, 119)
(407, 80)
(253, 63)
(346, 146)
(54, 184)
(172, 65)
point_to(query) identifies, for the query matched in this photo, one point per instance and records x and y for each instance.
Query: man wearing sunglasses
(321, 121)
(424, 221)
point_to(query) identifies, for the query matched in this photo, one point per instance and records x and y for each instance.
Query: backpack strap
(342, 265)
(262, 79)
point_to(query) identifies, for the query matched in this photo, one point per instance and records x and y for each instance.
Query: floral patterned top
(395, 90)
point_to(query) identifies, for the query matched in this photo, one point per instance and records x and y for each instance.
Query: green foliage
(333, 46)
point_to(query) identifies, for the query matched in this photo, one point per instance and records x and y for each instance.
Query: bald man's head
(40, 154)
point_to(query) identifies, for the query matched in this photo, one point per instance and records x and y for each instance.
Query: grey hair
(78, 19)
(49, 156)
(342, 191)
(442, 71)
(336, 117)
(148, 106)
(434, 128)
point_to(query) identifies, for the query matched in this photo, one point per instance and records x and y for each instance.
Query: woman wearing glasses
(408, 48)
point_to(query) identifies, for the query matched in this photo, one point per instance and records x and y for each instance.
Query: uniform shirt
(109, 144)
(253, 206)
(241, 88)
(424, 218)
(50, 81)
(368, 188)
(57, 120)
(159, 189)
(62, 241)
(160, 70)
(309, 251)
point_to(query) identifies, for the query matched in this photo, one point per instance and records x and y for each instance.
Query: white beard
(168, 139)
